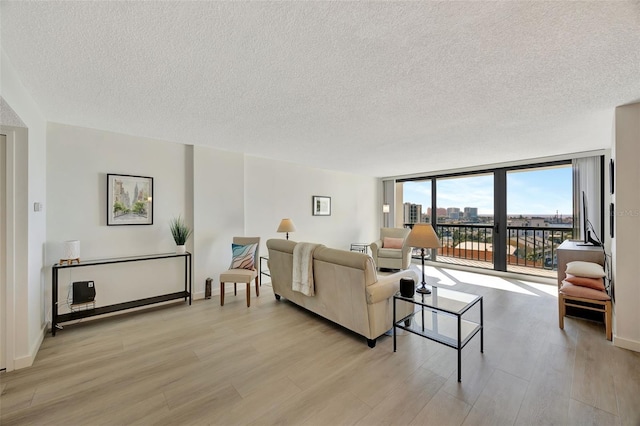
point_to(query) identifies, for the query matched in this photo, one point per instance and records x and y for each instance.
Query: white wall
(28, 322)
(218, 212)
(78, 160)
(275, 190)
(626, 152)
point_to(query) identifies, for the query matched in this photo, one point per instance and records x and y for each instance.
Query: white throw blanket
(303, 268)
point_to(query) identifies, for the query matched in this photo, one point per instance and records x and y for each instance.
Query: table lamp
(286, 225)
(423, 236)
(71, 251)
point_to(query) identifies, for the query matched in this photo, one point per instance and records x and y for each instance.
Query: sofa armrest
(387, 286)
(375, 246)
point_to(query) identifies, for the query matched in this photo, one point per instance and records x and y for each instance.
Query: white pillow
(585, 269)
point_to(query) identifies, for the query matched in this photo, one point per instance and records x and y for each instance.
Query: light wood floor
(274, 363)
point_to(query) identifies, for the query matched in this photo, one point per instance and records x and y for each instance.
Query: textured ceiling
(379, 88)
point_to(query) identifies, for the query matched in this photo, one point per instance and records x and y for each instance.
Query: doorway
(3, 250)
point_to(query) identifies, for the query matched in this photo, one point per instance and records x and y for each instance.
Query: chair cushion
(390, 253)
(392, 243)
(583, 292)
(585, 269)
(243, 256)
(238, 276)
(594, 283)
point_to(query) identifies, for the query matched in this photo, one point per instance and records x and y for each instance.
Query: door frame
(8, 278)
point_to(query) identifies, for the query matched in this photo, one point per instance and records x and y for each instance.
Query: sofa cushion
(243, 256)
(594, 283)
(583, 292)
(392, 243)
(390, 253)
(579, 268)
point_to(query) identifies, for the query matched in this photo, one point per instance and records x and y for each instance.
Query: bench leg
(608, 320)
(221, 294)
(561, 311)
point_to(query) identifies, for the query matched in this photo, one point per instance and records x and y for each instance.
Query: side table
(262, 270)
(439, 318)
(360, 247)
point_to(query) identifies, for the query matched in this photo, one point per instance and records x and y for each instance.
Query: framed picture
(611, 174)
(612, 217)
(129, 200)
(321, 205)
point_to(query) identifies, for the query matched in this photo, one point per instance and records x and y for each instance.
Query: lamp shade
(286, 225)
(386, 208)
(423, 236)
(71, 250)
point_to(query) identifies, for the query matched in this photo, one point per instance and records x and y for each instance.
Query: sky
(539, 192)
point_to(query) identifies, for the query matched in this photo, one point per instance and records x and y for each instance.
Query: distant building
(412, 213)
(453, 213)
(441, 212)
(470, 214)
(537, 222)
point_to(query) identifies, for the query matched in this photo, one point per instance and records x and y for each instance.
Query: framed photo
(321, 205)
(612, 217)
(611, 176)
(129, 200)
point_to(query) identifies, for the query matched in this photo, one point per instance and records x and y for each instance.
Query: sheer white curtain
(388, 197)
(587, 178)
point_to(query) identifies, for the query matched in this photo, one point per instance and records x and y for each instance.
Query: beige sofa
(348, 290)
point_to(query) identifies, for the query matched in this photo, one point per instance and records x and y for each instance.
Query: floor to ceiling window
(508, 219)
(539, 216)
(465, 219)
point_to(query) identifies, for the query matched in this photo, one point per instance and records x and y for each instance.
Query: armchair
(391, 250)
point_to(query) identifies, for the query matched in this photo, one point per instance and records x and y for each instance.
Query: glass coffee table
(438, 317)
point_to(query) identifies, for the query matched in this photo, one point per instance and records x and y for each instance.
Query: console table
(56, 318)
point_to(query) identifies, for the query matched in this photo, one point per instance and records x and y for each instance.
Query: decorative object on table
(129, 200)
(321, 205)
(424, 237)
(286, 225)
(180, 232)
(70, 252)
(407, 287)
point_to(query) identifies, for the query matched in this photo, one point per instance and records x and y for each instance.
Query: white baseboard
(632, 345)
(27, 361)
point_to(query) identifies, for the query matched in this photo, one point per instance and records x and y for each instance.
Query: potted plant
(180, 232)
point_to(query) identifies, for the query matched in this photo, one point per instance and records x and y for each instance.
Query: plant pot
(181, 249)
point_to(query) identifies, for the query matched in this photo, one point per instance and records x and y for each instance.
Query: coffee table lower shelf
(440, 325)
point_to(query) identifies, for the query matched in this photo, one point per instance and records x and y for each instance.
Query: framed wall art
(611, 176)
(321, 205)
(129, 200)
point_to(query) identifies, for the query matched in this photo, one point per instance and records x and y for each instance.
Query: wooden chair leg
(257, 288)
(248, 295)
(561, 311)
(608, 320)
(235, 289)
(221, 293)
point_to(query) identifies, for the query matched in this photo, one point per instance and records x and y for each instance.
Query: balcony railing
(527, 246)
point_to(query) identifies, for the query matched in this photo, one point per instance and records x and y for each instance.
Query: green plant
(180, 231)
